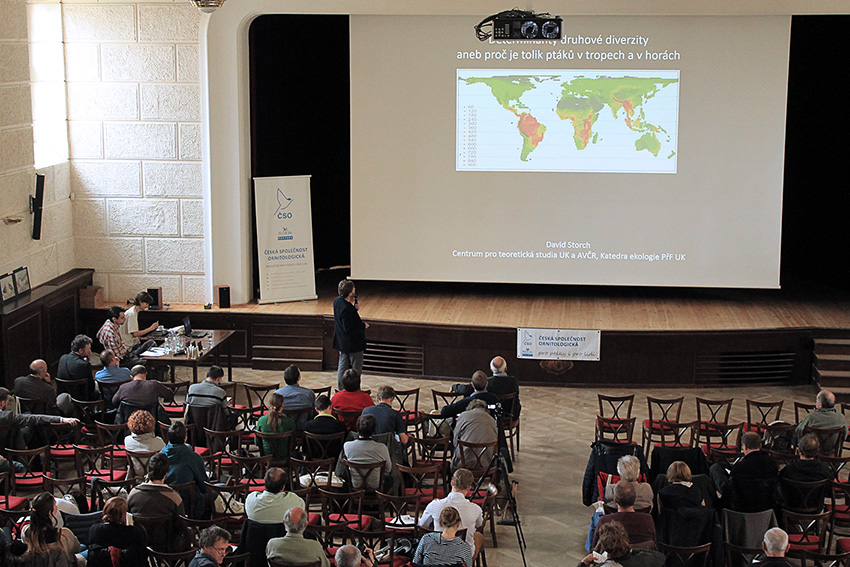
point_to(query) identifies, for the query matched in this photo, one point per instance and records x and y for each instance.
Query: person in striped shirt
(444, 548)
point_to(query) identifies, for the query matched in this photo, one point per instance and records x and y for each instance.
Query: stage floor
(577, 307)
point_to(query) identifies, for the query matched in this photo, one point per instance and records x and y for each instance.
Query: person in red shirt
(351, 398)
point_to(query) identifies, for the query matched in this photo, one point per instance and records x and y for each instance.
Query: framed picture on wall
(22, 280)
(7, 287)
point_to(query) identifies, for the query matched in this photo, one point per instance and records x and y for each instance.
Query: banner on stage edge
(558, 344)
(284, 238)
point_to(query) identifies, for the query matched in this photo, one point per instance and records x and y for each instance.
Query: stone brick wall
(54, 253)
(134, 136)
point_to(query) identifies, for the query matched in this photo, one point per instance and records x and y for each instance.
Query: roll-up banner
(284, 238)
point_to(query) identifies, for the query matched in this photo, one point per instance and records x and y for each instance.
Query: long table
(212, 353)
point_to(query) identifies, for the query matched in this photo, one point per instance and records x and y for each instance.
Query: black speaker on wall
(156, 295)
(222, 293)
(36, 206)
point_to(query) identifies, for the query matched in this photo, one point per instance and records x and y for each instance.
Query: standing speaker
(156, 294)
(222, 293)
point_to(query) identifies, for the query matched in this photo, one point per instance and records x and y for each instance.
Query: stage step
(264, 363)
(831, 366)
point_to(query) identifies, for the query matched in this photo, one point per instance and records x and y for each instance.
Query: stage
(650, 336)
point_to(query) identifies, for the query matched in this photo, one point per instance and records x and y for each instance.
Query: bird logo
(283, 203)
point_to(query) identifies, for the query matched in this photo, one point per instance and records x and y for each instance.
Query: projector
(535, 28)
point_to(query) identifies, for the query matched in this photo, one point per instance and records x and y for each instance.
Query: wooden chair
(102, 490)
(279, 443)
(616, 407)
(15, 520)
(312, 475)
(806, 532)
(777, 440)
(349, 418)
(7, 501)
(806, 497)
(662, 411)
(725, 437)
(442, 398)
(475, 457)
(400, 513)
(510, 424)
(232, 498)
(62, 450)
(326, 390)
(425, 481)
(761, 414)
(30, 405)
(801, 410)
(112, 435)
(825, 559)
(179, 559)
(614, 429)
(435, 426)
(368, 477)
(90, 412)
(222, 444)
(677, 435)
(162, 532)
(831, 438)
(94, 462)
(80, 388)
(696, 556)
(323, 446)
(383, 540)
(408, 401)
(173, 408)
(255, 395)
(60, 487)
(251, 471)
(197, 526)
(32, 478)
(711, 413)
(275, 563)
(137, 464)
(344, 508)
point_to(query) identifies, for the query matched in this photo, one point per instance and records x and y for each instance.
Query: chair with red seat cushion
(344, 508)
(408, 401)
(8, 502)
(723, 437)
(379, 539)
(400, 513)
(347, 417)
(222, 445)
(806, 532)
(613, 407)
(36, 462)
(324, 445)
(256, 396)
(103, 489)
(228, 503)
(173, 408)
(251, 471)
(95, 462)
(839, 559)
(614, 429)
(711, 413)
(432, 451)
(424, 480)
(661, 412)
(760, 414)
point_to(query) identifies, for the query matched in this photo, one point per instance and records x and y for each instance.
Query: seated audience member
(142, 392)
(18, 430)
(325, 424)
(388, 419)
(613, 543)
(112, 372)
(76, 365)
(208, 392)
(471, 516)
(113, 531)
(628, 467)
(39, 387)
(681, 492)
(141, 438)
(269, 506)
(130, 332)
(214, 543)
(185, 465)
(501, 383)
(47, 544)
(444, 548)
(825, 416)
(475, 425)
(155, 498)
(109, 336)
(805, 469)
(296, 396)
(775, 546)
(350, 556)
(351, 398)
(639, 526)
(365, 450)
(755, 465)
(479, 392)
(275, 422)
(293, 547)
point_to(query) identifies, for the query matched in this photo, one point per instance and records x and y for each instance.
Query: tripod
(497, 463)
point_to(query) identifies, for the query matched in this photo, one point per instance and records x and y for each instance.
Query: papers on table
(155, 351)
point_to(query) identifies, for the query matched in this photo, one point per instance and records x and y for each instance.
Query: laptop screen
(187, 326)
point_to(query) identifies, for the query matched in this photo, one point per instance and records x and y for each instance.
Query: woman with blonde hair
(681, 492)
(444, 548)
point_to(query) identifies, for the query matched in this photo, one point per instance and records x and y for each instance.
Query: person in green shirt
(275, 422)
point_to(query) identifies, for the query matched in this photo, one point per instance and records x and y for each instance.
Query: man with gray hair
(825, 416)
(293, 548)
(775, 545)
(501, 383)
(350, 556)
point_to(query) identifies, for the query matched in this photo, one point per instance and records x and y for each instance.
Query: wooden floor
(557, 430)
(645, 309)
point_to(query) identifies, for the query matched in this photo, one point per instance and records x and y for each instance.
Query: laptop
(187, 330)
